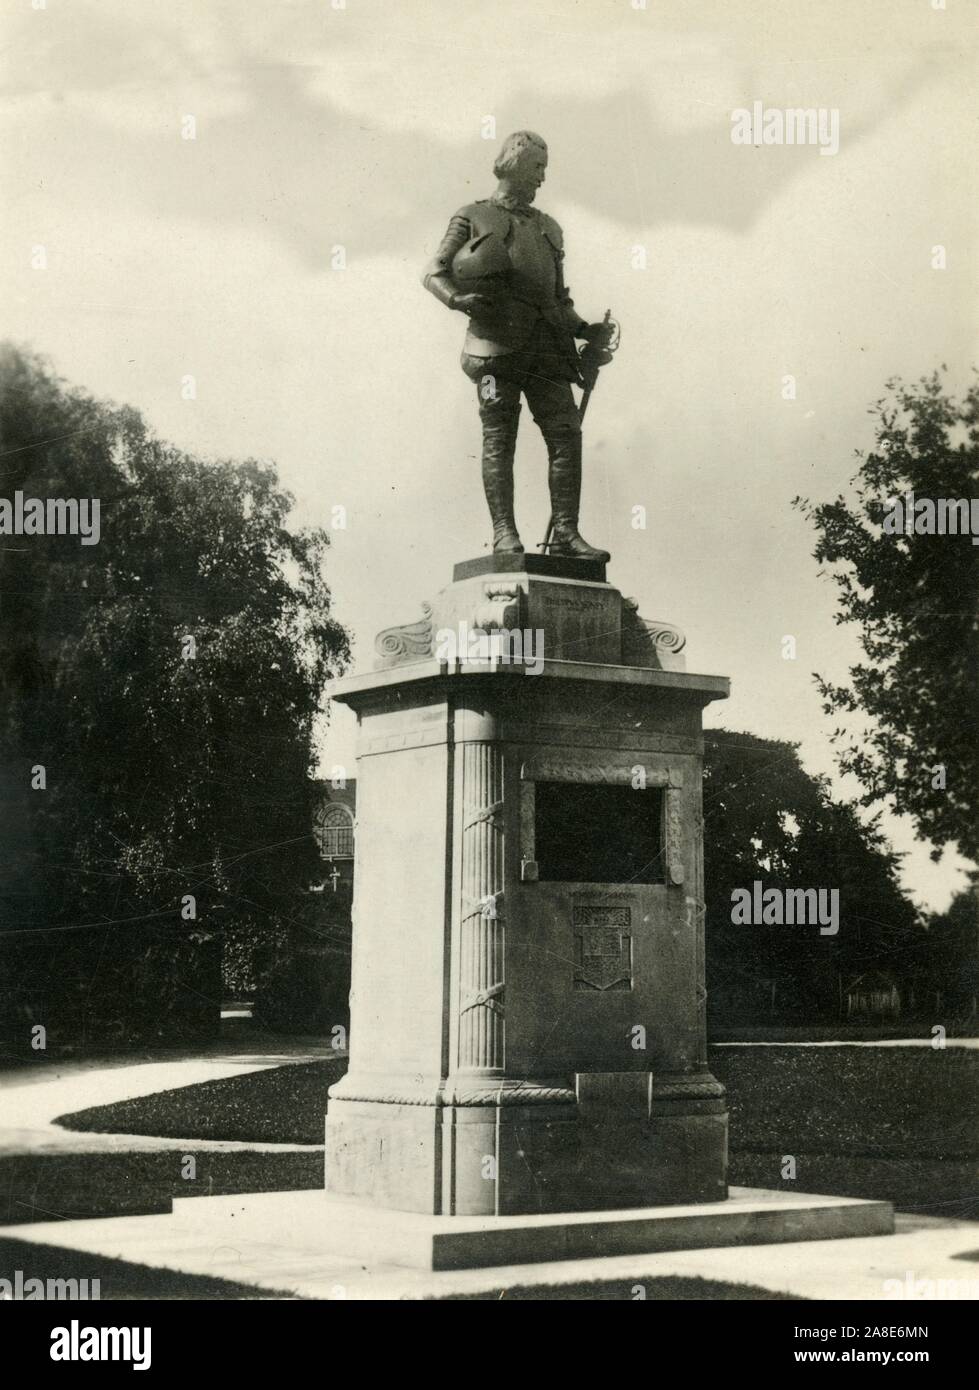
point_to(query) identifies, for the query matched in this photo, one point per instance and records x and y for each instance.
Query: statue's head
(521, 162)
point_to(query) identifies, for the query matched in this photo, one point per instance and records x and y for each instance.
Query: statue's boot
(499, 445)
(564, 479)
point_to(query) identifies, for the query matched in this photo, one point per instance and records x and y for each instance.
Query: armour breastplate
(534, 275)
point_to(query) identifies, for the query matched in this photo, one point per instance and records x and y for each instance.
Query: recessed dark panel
(598, 834)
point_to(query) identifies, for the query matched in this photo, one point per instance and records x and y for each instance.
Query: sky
(191, 169)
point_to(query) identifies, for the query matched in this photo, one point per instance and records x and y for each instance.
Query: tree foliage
(915, 600)
(767, 820)
(950, 969)
(169, 680)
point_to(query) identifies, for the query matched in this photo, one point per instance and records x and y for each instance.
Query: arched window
(335, 832)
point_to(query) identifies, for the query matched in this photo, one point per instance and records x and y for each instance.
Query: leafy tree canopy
(915, 598)
(168, 679)
(767, 820)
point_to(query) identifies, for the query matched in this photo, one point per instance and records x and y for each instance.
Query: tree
(168, 680)
(766, 819)
(915, 598)
(949, 975)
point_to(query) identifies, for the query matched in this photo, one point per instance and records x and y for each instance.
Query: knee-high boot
(499, 444)
(564, 479)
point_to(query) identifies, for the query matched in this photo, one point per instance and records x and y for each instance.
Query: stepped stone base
(350, 1229)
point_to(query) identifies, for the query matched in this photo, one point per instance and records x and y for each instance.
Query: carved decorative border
(668, 777)
(392, 1092)
(478, 1093)
(698, 1087)
(509, 1093)
(611, 737)
(610, 774)
(673, 837)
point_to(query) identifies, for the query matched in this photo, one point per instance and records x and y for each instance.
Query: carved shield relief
(603, 947)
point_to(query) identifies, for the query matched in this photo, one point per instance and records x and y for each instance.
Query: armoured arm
(437, 276)
(567, 313)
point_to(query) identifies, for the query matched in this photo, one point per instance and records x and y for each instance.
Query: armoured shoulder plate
(485, 216)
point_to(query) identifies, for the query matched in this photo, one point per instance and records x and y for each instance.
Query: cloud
(275, 156)
(211, 257)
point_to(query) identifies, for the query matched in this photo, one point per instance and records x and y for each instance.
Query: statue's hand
(594, 332)
(472, 303)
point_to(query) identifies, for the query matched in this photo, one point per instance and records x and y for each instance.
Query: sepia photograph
(489, 665)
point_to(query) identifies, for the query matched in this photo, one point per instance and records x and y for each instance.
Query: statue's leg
(499, 411)
(553, 407)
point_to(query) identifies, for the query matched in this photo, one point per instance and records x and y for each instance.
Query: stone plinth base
(527, 1006)
(356, 1230)
(513, 1158)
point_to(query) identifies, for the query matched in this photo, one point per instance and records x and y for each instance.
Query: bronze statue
(500, 263)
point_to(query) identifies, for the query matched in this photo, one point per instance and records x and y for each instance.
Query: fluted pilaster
(481, 946)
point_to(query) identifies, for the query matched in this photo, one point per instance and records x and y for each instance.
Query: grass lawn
(74, 1186)
(118, 1279)
(669, 1288)
(858, 1100)
(900, 1123)
(283, 1105)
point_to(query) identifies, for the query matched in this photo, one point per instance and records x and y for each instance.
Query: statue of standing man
(500, 262)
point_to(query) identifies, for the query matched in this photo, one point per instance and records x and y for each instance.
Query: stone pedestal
(528, 1008)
